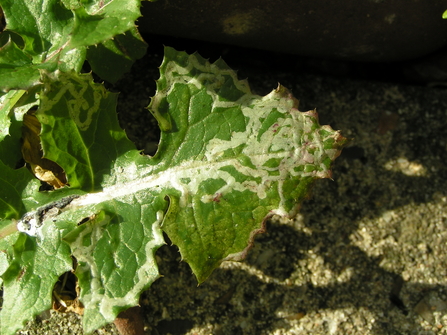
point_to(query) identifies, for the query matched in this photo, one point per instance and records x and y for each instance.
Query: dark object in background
(370, 30)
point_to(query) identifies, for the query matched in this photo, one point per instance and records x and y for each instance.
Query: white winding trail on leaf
(83, 253)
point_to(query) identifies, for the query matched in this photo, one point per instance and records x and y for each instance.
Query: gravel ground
(367, 253)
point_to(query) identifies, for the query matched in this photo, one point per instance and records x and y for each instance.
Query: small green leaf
(98, 21)
(16, 68)
(116, 258)
(56, 34)
(14, 185)
(13, 105)
(7, 103)
(11, 56)
(7, 240)
(80, 130)
(112, 58)
(34, 267)
(444, 15)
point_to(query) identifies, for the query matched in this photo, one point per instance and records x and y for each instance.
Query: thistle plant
(77, 197)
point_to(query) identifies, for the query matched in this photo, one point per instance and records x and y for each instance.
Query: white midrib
(196, 171)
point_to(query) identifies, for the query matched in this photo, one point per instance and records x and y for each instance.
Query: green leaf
(80, 130)
(7, 239)
(13, 56)
(444, 15)
(56, 34)
(227, 161)
(249, 157)
(14, 184)
(100, 20)
(111, 59)
(13, 105)
(34, 268)
(7, 103)
(115, 251)
(16, 68)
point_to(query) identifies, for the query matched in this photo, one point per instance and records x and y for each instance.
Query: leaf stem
(8, 229)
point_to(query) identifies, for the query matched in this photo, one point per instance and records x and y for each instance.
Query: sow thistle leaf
(227, 161)
(28, 282)
(111, 59)
(13, 106)
(7, 103)
(234, 158)
(56, 35)
(97, 21)
(16, 68)
(80, 131)
(14, 186)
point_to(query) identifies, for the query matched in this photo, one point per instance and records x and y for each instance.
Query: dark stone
(130, 322)
(368, 30)
(174, 327)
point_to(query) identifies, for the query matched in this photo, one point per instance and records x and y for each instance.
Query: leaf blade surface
(56, 35)
(249, 157)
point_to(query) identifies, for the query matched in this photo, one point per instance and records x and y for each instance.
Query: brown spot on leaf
(42, 168)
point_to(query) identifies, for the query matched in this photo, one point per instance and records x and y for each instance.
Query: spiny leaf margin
(59, 35)
(259, 156)
(227, 161)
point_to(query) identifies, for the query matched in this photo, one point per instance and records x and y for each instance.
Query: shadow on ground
(366, 247)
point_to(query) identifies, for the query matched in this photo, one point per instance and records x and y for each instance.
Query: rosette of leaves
(226, 162)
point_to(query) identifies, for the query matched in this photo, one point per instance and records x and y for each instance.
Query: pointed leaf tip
(258, 156)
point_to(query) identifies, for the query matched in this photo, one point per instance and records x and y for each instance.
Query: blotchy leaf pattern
(33, 269)
(227, 161)
(234, 158)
